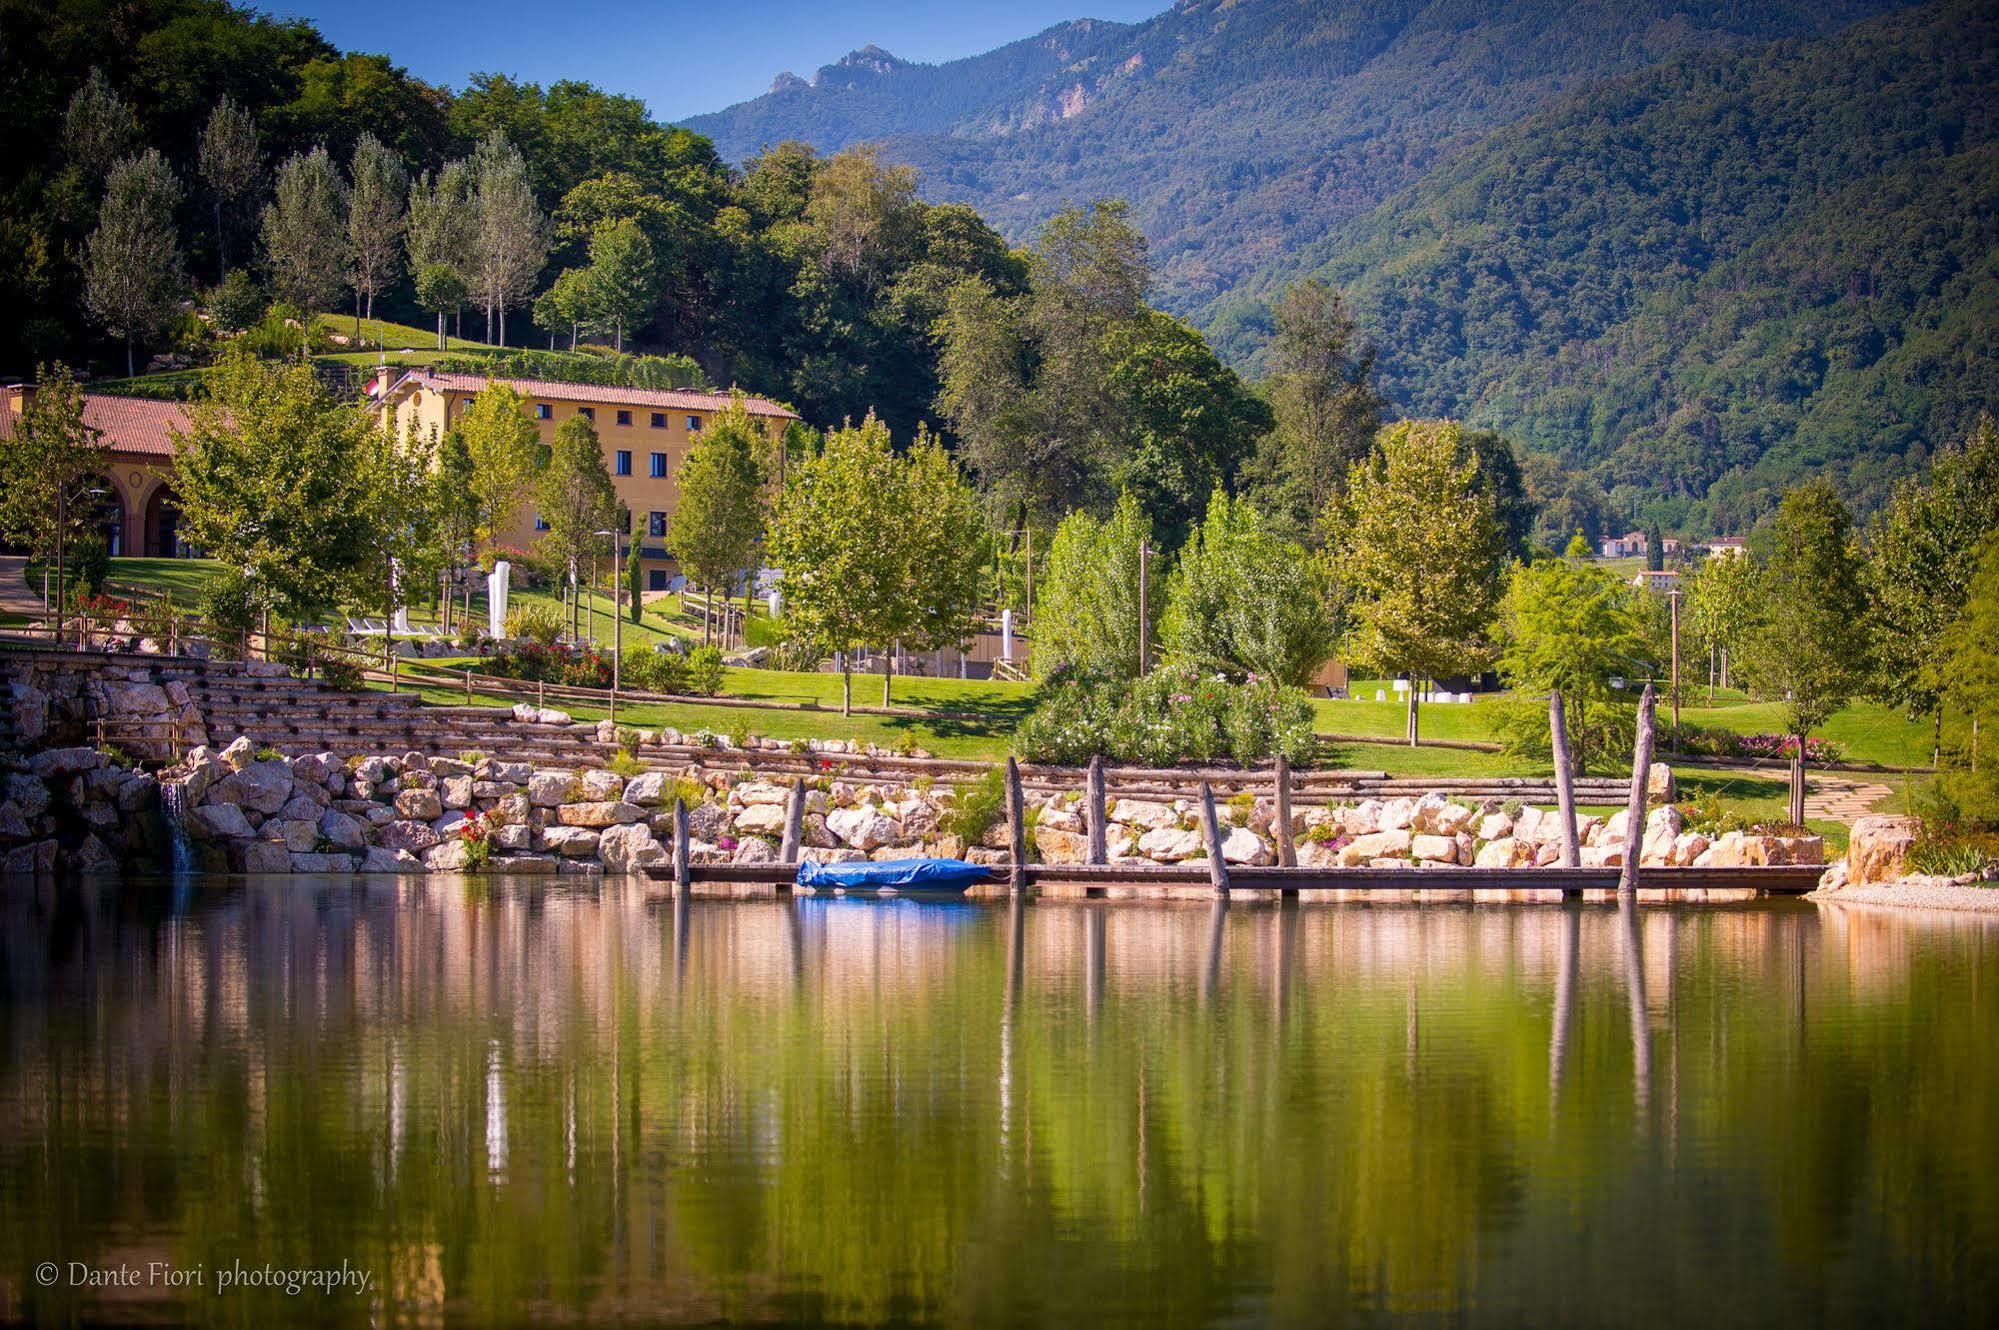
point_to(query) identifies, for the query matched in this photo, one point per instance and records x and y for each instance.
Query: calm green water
(525, 1105)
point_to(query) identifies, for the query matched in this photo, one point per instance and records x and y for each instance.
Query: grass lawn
(380, 333)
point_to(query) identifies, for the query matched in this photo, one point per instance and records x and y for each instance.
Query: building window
(624, 417)
(587, 412)
(694, 424)
(543, 411)
(659, 466)
(540, 523)
(656, 579)
(656, 524)
(659, 420)
(624, 461)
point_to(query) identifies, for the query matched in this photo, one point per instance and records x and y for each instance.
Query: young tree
(1415, 556)
(1321, 389)
(1718, 607)
(1967, 674)
(305, 247)
(406, 540)
(561, 309)
(944, 547)
(1808, 649)
(576, 498)
(98, 130)
(48, 465)
(1245, 602)
(835, 533)
(273, 479)
(623, 282)
(1570, 627)
(511, 240)
(439, 235)
(505, 452)
(719, 518)
(134, 265)
(375, 221)
(1086, 615)
(1921, 556)
(231, 161)
(456, 503)
(1655, 547)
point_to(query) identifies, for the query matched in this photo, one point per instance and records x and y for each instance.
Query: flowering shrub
(1727, 743)
(101, 610)
(1176, 714)
(477, 833)
(556, 662)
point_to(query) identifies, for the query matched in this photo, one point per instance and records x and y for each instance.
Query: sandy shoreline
(1916, 895)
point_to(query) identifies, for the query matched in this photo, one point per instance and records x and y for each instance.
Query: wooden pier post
(1565, 788)
(1211, 836)
(794, 824)
(1099, 832)
(1016, 821)
(1287, 845)
(683, 879)
(1641, 773)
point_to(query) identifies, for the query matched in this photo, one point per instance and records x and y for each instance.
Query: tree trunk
(572, 335)
(1412, 721)
(129, 371)
(221, 245)
(846, 685)
(357, 320)
(440, 330)
(888, 672)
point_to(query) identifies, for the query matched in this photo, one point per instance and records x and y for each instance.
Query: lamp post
(617, 620)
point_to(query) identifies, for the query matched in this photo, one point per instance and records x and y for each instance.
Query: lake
(439, 1102)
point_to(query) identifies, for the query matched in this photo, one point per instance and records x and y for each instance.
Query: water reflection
(519, 1104)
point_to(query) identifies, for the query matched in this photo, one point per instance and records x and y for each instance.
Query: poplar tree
(47, 466)
(718, 518)
(1809, 648)
(622, 281)
(305, 244)
(98, 130)
(505, 451)
(1086, 608)
(134, 264)
(1243, 601)
(231, 161)
(440, 234)
(1415, 557)
(375, 221)
(511, 240)
(575, 496)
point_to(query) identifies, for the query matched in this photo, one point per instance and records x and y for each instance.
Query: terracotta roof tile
(551, 390)
(126, 424)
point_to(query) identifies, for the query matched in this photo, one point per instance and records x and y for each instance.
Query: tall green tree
(836, 533)
(1568, 626)
(305, 235)
(574, 495)
(1966, 675)
(505, 451)
(1809, 648)
(1720, 607)
(273, 480)
(98, 129)
(1086, 611)
(719, 516)
(944, 548)
(231, 162)
(375, 221)
(510, 244)
(440, 234)
(1321, 390)
(134, 261)
(623, 279)
(1245, 602)
(48, 464)
(1415, 556)
(1921, 556)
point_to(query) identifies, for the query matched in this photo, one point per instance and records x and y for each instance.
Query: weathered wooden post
(794, 823)
(1287, 846)
(1144, 622)
(1211, 836)
(683, 880)
(1634, 811)
(468, 685)
(1099, 832)
(1565, 789)
(1016, 822)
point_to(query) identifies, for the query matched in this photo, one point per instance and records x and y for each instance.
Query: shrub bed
(1175, 715)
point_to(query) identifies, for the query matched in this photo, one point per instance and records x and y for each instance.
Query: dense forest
(1713, 278)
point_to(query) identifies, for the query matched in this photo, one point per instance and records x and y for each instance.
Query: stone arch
(161, 524)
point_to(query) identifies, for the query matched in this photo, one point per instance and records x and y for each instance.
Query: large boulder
(1145, 814)
(455, 791)
(266, 857)
(261, 786)
(407, 834)
(1504, 852)
(629, 847)
(382, 859)
(1171, 845)
(219, 822)
(648, 789)
(761, 820)
(550, 789)
(1242, 846)
(603, 813)
(570, 842)
(452, 856)
(419, 805)
(863, 828)
(1434, 848)
(1743, 849)
(342, 831)
(1394, 843)
(762, 792)
(1879, 848)
(1059, 846)
(602, 787)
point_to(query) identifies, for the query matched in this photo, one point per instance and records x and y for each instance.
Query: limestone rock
(534, 865)
(342, 831)
(754, 850)
(1435, 848)
(1394, 843)
(1879, 848)
(405, 834)
(648, 789)
(1504, 852)
(453, 856)
(218, 822)
(266, 857)
(761, 820)
(455, 791)
(419, 805)
(382, 859)
(863, 828)
(605, 813)
(513, 836)
(602, 787)
(1170, 844)
(239, 753)
(762, 793)
(570, 842)
(262, 786)
(1495, 826)
(1145, 814)
(629, 847)
(1058, 845)
(550, 789)
(1243, 846)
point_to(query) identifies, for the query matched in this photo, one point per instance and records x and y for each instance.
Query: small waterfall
(173, 808)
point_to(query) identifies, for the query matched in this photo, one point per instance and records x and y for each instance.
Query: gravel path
(15, 597)
(1913, 895)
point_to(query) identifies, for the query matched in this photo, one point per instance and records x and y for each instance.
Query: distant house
(1725, 547)
(1630, 545)
(1660, 580)
(136, 509)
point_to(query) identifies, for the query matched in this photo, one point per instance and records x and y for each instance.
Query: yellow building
(645, 433)
(135, 500)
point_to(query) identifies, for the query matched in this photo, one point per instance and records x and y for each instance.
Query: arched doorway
(162, 525)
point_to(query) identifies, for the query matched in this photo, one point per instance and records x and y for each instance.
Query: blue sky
(681, 58)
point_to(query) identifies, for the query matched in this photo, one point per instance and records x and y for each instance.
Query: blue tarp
(909, 874)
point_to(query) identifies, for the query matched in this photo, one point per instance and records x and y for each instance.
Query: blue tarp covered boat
(902, 874)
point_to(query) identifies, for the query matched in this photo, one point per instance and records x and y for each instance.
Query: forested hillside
(1715, 276)
(1239, 130)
